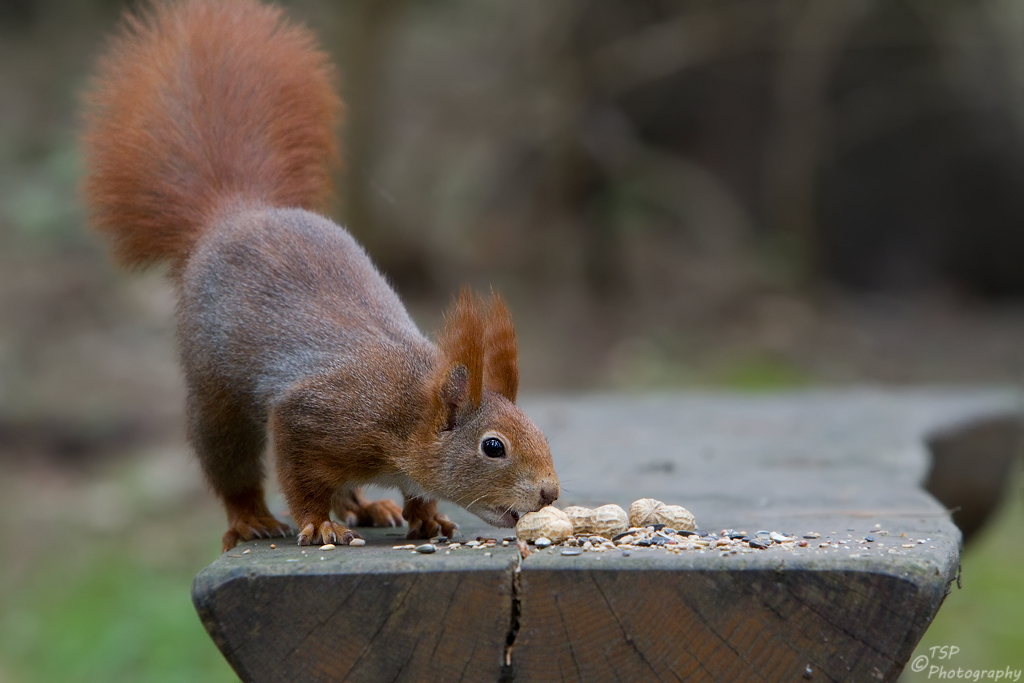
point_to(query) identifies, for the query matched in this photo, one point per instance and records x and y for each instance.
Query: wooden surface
(844, 464)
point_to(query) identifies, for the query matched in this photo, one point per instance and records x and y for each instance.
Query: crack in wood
(507, 673)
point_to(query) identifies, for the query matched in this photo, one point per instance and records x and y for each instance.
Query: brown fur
(210, 130)
(459, 375)
(198, 104)
(501, 367)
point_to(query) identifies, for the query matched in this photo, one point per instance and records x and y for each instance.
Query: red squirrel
(208, 145)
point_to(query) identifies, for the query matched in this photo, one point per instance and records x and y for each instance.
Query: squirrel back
(199, 105)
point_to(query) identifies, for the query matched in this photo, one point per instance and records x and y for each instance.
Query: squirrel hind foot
(425, 521)
(251, 528)
(439, 525)
(327, 531)
(379, 513)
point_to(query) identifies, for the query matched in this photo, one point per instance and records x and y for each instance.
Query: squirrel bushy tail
(198, 105)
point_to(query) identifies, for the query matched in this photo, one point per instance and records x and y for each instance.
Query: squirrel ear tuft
(462, 343)
(452, 395)
(501, 364)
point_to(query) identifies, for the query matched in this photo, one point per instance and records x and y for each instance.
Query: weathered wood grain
(844, 464)
(355, 614)
(769, 618)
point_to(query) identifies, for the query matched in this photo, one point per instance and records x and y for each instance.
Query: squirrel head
(490, 458)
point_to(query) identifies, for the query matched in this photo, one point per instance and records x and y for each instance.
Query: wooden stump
(847, 465)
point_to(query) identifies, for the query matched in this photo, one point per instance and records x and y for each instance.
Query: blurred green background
(752, 195)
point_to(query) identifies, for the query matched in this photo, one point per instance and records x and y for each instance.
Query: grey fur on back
(273, 296)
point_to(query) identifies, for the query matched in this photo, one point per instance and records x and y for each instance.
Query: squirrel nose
(548, 495)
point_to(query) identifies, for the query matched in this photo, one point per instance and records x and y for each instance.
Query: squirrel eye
(493, 448)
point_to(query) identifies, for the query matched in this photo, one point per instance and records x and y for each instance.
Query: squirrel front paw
(326, 532)
(425, 521)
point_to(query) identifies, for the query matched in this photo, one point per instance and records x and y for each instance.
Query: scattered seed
(357, 542)
(247, 551)
(727, 542)
(426, 548)
(273, 546)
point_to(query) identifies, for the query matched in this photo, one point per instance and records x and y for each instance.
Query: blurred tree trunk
(818, 34)
(368, 29)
